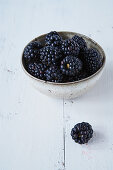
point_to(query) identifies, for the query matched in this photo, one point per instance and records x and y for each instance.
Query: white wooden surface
(32, 126)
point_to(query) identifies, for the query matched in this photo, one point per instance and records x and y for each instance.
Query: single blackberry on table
(37, 70)
(53, 74)
(32, 51)
(92, 60)
(53, 39)
(80, 41)
(50, 55)
(82, 133)
(71, 66)
(70, 47)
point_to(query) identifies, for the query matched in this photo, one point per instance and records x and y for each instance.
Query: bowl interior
(67, 35)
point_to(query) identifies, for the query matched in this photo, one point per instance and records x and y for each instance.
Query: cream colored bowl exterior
(68, 90)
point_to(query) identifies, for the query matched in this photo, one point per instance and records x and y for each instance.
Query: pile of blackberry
(61, 60)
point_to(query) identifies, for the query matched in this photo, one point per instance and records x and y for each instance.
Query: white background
(31, 124)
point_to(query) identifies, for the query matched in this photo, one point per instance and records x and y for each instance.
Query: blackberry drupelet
(37, 70)
(53, 39)
(53, 74)
(82, 133)
(92, 60)
(50, 55)
(70, 47)
(32, 51)
(80, 41)
(71, 66)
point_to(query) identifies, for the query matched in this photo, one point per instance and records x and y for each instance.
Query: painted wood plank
(34, 129)
(31, 133)
(96, 108)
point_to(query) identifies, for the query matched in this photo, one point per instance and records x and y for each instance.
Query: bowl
(71, 89)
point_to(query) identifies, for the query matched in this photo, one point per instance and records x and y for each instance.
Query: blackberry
(70, 47)
(32, 51)
(80, 41)
(53, 74)
(37, 70)
(92, 60)
(50, 55)
(71, 66)
(82, 75)
(53, 39)
(82, 133)
(82, 53)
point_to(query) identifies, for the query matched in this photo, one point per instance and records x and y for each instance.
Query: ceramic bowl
(71, 89)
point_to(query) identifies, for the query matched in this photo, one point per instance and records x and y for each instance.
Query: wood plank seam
(64, 133)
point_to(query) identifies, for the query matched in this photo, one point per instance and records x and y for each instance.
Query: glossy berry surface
(53, 74)
(71, 65)
(82, 133)
(37, 70)
(50, 55)
(70, 47)
(53, 39)
(32, 51)
(92, 60)
(80, 41)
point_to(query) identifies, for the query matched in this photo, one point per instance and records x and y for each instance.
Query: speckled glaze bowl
(72, 89)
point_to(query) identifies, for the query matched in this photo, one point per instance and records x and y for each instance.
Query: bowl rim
(66, 83)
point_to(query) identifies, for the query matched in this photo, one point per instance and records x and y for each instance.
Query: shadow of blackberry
(98, 142)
